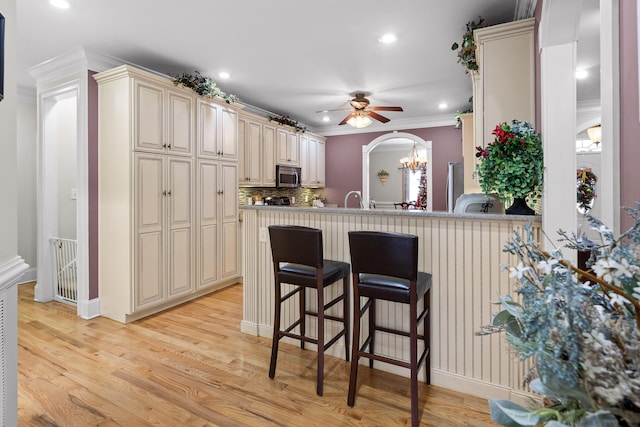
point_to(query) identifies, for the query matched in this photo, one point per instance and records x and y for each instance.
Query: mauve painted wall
(344, 162)
(629, 111)
(92, 116)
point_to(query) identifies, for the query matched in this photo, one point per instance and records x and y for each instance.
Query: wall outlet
(306, 199)
(293, 200)
(74, 194)
(262, 235)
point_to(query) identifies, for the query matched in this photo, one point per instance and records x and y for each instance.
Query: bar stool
(298, 260)
(385, 267)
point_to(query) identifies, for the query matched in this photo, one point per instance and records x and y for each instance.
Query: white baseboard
(28, 276)
(89, 309)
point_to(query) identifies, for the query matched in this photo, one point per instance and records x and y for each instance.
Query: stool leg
(413, 358)
(320, 372)
(303, 316)
(427, 335)
(355, 353)
(345, 315)
(276, 332)
(372, 329)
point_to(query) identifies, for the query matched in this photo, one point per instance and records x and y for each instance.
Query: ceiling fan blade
(386, 109)
(377, 116)
(330, 111)
(346, 118)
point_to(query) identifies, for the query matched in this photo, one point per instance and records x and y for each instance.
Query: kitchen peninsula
(463, 252)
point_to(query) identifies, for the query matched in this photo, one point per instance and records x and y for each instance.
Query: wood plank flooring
(191, 366)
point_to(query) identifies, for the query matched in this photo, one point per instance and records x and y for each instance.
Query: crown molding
(27, 94)
(588, 105)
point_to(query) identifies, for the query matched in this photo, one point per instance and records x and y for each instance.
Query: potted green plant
(383, 175)
(467, 50)
(581, 328)
(511, 166)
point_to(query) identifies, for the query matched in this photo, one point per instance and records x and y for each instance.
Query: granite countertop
(396, 212)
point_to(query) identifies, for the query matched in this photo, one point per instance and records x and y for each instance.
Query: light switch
(262, 236)
(74, 194)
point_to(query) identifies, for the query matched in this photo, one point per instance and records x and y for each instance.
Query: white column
(559, 136)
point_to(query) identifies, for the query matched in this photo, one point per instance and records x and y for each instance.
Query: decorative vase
(383, 180)
(519, 207)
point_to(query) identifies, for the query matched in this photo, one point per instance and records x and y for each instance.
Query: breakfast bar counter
(464, 254)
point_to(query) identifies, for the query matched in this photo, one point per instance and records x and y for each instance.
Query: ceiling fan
(361, 111)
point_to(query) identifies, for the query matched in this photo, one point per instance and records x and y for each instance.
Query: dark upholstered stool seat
(298, 260)
(385, 267)
(305, 275)
(392, 288)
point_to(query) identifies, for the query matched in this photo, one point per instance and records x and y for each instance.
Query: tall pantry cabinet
(167, 194)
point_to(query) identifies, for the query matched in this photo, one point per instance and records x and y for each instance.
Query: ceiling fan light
(595, 134)
(359, 121)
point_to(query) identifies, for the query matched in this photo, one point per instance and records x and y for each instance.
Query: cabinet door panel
(243, 152)
(305, 161)
(208, 259)
(269, 155)
(229, 143)
(180, 123)
(149, 285)
(207, 191)
(179, 193)
(293, 148)
(229, 189)
(320, 163)
(282, 154)
(252, 162)
(149, 186)
(229, 249)
(149, 103)
(207, 129)
(180, 265)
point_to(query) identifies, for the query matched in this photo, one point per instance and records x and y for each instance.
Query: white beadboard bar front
(464, 254)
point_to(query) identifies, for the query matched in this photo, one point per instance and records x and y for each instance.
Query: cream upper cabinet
(287, 147)
(312, 160)
(165, 119)
(217, 131)
(257, 151)
(249, 151)
(304, 159)
(504, 86)
(268, 155)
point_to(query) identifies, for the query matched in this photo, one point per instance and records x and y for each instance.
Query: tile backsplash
(298, 193)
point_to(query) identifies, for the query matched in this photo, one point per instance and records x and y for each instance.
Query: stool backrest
(296, 244)
(388, 254)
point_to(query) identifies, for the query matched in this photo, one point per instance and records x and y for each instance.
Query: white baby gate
(66, 284)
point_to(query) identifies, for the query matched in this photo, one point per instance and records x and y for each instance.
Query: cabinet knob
(164, 145)
(169, 193)
(164, 193)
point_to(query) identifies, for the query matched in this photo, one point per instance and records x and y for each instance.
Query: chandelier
(359, 119)
(414, 161)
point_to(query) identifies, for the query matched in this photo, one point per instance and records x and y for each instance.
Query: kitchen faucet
(358, 196)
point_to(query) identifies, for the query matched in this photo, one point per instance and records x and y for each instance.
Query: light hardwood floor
(191, 366)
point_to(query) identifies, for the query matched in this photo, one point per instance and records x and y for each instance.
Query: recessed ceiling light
(442, 105)
(61, 4)
(224, 75)
(326, 119)
(388, 38)
(581, 74)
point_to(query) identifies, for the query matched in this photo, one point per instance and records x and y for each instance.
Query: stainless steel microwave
(288, 176)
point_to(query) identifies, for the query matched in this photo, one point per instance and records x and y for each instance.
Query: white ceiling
(289, 57)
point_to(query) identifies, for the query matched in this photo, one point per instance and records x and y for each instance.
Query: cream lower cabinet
(163, 228)
(217, 240)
